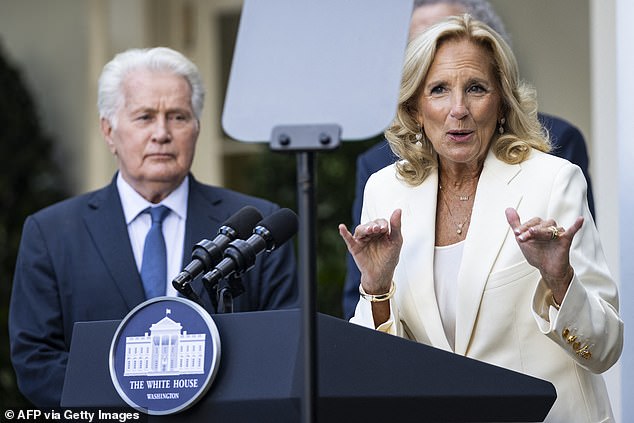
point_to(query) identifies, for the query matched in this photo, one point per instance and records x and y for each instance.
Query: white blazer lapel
(488, 229)
(419, 228)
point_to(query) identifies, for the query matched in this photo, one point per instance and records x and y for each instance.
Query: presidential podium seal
(164, 355)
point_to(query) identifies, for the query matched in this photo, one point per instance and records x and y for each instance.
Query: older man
(83, 259)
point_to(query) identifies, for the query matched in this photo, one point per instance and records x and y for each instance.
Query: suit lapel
(105, 221)
(488, 228)
(418, 228)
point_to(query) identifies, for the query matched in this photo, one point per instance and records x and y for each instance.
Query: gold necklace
(459, 225)
(461, 197)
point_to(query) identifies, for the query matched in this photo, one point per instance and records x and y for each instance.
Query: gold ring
(554, 232)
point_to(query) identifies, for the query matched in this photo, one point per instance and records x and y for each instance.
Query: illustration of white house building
(165, 351)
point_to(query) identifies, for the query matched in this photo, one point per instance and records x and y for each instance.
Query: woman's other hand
(546, 246)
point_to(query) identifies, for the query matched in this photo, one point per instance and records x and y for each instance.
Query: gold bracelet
(380, 297)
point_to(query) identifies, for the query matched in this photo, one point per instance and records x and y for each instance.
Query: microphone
(207, 253)
(239, 256)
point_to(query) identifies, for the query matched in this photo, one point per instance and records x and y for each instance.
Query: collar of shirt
(133, 203)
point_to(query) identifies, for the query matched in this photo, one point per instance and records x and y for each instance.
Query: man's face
(425, 16)
(156, 132)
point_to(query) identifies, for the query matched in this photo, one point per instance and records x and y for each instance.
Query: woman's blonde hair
(522, 130)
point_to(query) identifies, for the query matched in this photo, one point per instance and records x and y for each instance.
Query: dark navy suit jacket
(567, 142)
(75, 263)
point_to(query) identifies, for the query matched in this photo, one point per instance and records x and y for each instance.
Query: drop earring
(419, 136)
(501, 127)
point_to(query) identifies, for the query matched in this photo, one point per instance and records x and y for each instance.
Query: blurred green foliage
(29, 180)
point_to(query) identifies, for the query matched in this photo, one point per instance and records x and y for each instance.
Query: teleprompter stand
(306, 141)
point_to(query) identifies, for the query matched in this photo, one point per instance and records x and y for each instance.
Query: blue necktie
(154, 264)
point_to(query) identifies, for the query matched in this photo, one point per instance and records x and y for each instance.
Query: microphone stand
(222, 290)
(227, 290)
(306, 140)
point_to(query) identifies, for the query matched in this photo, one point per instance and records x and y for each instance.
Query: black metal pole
(307, 267)
(306, 141)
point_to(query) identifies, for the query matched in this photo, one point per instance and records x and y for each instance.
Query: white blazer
(504, 313)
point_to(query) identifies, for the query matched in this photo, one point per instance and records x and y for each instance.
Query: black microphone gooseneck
(207, 254)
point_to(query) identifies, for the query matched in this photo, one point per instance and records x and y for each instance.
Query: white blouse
(447, 261)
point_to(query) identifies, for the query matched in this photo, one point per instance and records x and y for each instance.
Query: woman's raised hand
(375, 247)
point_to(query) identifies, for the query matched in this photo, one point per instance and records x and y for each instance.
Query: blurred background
(51, 54)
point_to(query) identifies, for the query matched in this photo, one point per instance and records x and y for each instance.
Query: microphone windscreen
(244, 221)
(282, 225)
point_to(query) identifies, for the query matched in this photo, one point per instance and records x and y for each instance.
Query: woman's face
(459, 102)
